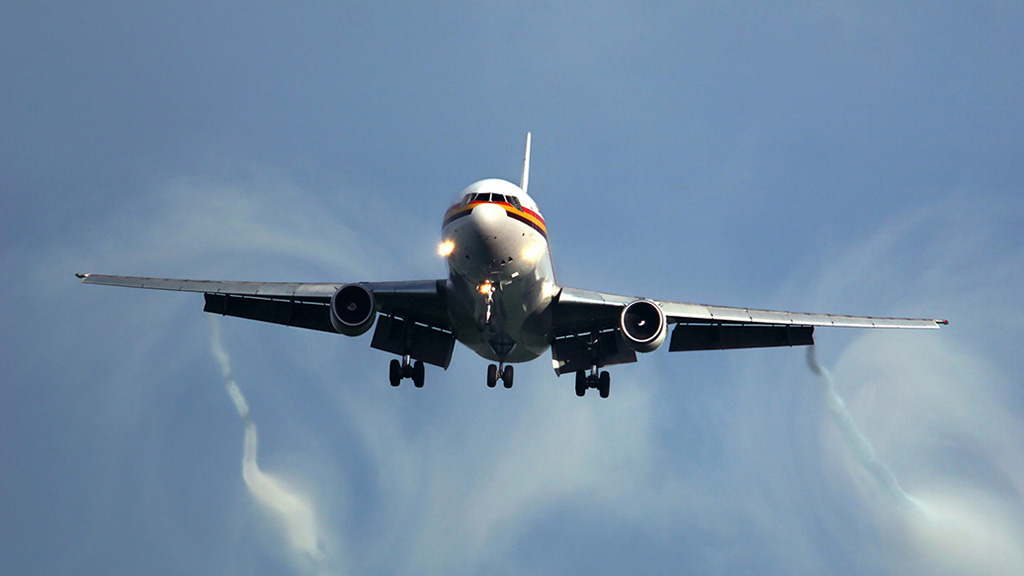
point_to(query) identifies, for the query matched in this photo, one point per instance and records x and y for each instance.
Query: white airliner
(502, 300)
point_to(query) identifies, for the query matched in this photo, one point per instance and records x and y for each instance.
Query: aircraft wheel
(581, 383)
(395, 372)
(506, 376)
(418, 374)
(604, 384)
(492, 376)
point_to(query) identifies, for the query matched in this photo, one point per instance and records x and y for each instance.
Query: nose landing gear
(404, 369)
(602, 381)
(499, 372)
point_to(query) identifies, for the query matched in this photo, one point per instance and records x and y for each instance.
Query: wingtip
(942, 322)
(81, 276)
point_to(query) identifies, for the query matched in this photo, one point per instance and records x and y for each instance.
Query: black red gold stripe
(526, 216)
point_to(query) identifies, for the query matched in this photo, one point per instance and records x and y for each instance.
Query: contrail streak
(225, 368)
(295, 515)
(855, 440)
(950, 530)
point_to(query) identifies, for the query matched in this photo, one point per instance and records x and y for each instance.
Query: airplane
(502, 300)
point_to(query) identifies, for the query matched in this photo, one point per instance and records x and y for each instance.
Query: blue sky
(861, 158)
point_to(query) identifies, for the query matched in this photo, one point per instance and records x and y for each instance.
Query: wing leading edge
(280, 290)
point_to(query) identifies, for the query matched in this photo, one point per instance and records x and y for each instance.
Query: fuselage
(500, 275)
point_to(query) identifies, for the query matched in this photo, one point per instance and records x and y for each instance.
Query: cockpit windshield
(492, 197)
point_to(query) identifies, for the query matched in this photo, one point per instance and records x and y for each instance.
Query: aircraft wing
(273, 290)
(417, 318)
(586, 323)
(686, 312)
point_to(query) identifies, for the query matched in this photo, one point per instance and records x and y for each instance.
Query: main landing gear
(602, 381)
(499, 372)
(405, 369)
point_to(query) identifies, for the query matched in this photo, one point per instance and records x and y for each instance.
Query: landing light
(446, 248)
(533, 252)
(486, 288)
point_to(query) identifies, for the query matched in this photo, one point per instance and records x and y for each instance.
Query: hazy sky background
(850, 157)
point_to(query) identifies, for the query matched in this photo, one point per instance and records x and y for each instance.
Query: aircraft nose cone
(488, 219)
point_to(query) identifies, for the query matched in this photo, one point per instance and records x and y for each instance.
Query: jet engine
(643, 326)
(353, 310)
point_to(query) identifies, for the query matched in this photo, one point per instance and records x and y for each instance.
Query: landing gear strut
(601, 381)
(500, 372)
(405, 369)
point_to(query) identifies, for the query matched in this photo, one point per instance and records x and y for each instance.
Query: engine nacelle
(353, 310)
(643, 326)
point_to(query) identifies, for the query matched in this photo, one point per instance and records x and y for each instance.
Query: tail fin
(526, 165)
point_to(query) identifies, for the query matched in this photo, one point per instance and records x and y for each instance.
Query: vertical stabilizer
(526, 166)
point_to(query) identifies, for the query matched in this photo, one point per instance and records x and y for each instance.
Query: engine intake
(353, 310)
(643, 326)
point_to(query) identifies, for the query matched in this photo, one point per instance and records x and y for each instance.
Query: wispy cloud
(939, 407)
(295, 515)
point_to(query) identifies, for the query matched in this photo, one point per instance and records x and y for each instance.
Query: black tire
(506, 376)
(418, 374)
(604, 384)
(581, 383)
(492, 376)
(395, 373)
